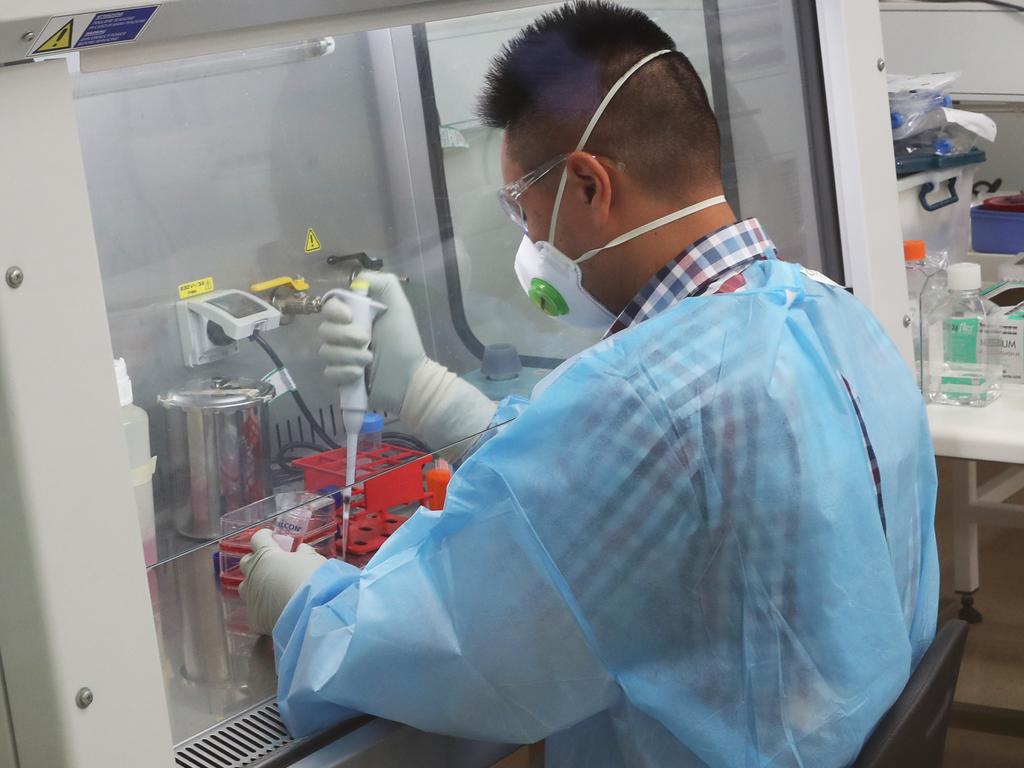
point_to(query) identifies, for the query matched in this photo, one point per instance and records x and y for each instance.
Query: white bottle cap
(124, 384)
(965, 276)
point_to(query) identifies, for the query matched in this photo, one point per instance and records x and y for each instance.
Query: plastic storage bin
(996, 231)
(997, 225)
(935, 201)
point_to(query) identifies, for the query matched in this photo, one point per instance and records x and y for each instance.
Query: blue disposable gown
(675, 556)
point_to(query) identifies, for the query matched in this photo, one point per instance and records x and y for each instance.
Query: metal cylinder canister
(218, 433)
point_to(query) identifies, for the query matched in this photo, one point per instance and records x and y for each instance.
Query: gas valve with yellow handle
(289, 295)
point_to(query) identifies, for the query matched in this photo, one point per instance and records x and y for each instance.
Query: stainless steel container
(218, 433)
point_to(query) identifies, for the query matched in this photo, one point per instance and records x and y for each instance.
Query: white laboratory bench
(993, 433)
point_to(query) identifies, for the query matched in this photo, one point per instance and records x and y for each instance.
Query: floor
(964, 749)
(992, 672)
(527, 757)
(974, 749)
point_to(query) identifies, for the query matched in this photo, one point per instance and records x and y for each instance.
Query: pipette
(353, 397)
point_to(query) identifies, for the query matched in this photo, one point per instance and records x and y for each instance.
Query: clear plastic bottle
(917, 277)
(933, 297)
(135, 423)
(960, 371)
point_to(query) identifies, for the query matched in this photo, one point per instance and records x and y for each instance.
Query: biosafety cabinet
(175, 176)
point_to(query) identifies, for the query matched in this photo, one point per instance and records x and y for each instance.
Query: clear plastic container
(135, 423)
(230, 559)
(310, 520)
(304, 514)
(960, 369)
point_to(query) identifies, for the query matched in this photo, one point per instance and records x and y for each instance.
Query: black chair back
(913, 731)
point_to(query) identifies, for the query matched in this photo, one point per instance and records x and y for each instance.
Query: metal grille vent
(244, 740)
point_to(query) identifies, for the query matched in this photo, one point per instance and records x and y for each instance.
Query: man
(707, 540)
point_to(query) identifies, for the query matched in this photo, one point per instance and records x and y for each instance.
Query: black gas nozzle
(365, 261)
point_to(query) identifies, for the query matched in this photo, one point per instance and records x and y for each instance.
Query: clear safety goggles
(510, 195)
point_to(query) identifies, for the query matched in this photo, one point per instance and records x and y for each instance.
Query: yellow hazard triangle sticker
(312, 243)
(59, 40)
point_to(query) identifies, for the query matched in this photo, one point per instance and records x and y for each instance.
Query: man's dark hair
(545, 84)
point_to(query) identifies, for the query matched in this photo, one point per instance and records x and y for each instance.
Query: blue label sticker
(115, 26)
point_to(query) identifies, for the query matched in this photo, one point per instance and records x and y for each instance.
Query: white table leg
(965, 538)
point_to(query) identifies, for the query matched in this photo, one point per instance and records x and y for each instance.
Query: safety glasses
(510, 195)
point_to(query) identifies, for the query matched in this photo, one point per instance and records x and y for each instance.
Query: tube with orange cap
(438, 478)
(917, 277)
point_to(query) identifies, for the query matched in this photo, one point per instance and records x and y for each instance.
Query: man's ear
(590, 182)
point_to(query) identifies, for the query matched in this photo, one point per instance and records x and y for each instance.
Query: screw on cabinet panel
(28, 36)
(15, 277)
(83, 698)
(881, 64)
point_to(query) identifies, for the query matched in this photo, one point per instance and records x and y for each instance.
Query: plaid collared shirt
(713, 264)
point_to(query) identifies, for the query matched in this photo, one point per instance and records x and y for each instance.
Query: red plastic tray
(367, 531)
(403, 484)
(323, 541)
(370, 523)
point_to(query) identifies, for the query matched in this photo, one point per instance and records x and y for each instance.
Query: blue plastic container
(996, 231)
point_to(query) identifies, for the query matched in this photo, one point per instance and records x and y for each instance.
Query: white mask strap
(590, 129)
(642, 230)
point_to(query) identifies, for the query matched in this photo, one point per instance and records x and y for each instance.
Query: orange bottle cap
(913, 250)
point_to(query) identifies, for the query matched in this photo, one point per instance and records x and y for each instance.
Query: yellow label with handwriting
(195, 288)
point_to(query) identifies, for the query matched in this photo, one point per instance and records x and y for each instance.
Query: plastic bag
(981, 125)
(949, 140)
(949, 132)
(915, 101)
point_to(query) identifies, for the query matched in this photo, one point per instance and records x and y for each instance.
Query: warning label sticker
(59, 40)
(195, 288)
(312, 242)
(89, 30)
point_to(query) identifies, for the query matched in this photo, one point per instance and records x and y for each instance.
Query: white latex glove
(272, 576)
(433, 403)
(399, 351)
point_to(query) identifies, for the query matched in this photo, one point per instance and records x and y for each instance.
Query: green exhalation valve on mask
(547, 298)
